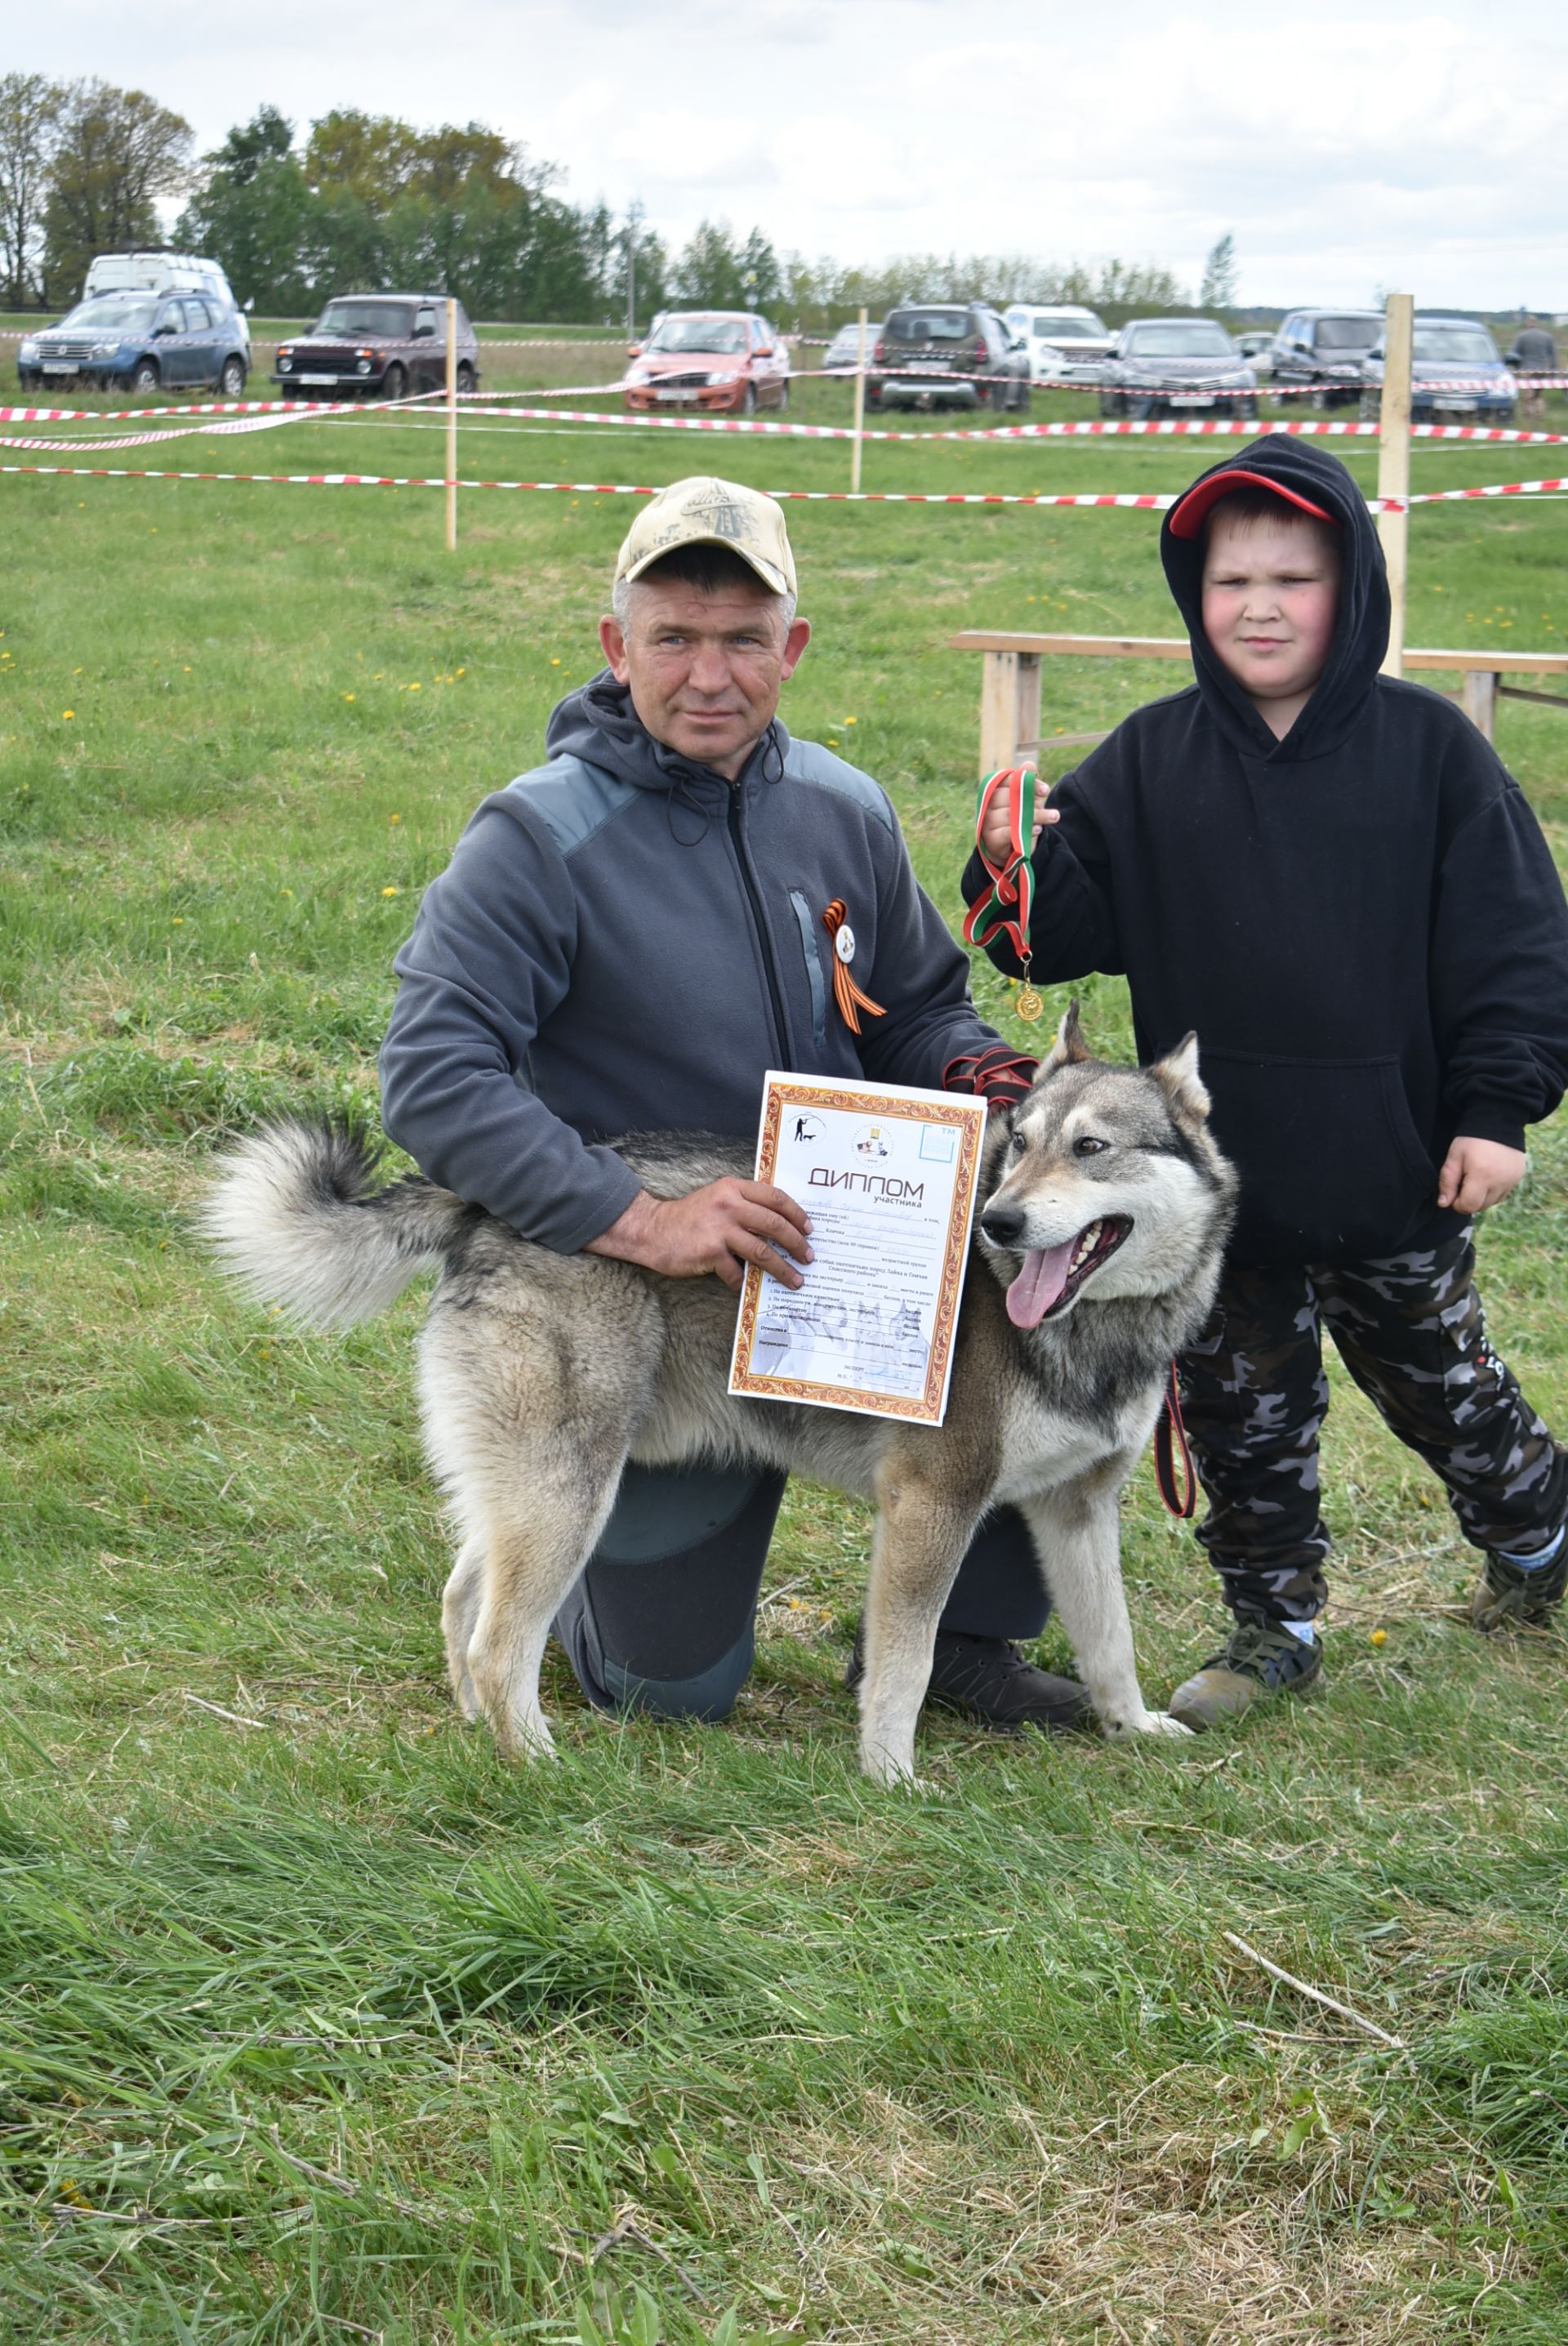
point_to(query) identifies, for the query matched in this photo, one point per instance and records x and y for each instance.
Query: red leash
(1170, 1437)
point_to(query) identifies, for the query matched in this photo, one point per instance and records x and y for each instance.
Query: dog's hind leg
(1077, 1531)
(531, 1552)
(923, 1530)
(459, 1611)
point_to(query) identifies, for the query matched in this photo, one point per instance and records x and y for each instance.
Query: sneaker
(989, 1679)
(1259, 1658)
(1507, 1597)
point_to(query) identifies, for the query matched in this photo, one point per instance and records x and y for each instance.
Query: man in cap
(626, 938)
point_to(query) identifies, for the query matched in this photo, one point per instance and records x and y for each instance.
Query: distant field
(317, 2022)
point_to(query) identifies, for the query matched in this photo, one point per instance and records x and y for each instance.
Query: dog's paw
(894, 1774)
(1144, 1722)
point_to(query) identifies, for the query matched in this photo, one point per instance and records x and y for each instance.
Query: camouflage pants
(1411, 1331)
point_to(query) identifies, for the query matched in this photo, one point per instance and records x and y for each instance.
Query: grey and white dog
(1105, 1210)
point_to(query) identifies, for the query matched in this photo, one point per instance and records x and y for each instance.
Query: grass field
(319, 2024)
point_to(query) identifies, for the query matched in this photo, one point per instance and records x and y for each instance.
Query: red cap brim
(1188, 517)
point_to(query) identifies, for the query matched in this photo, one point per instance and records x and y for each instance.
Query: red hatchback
(721, 362)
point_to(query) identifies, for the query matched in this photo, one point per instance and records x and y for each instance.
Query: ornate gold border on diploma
(927, 1409)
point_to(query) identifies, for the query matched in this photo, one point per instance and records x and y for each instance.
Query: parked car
(1255, 348)
(721, 362)
(844, 348)
(1161, 366)
(386, 344)
(163, 272)
(1066, 344)
(142, 341)
(1456, 369)
(1318, 354)
(948, 355)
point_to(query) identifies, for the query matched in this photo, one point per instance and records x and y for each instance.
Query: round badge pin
(844, 943)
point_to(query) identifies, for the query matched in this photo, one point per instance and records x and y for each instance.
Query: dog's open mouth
(1052, 1276)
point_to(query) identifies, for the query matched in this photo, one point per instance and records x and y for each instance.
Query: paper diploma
(888, 1177)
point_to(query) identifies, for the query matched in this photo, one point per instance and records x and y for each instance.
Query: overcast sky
(1348, 148)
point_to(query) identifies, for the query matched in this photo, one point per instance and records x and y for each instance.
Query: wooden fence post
(452, 427)
(1394, 466)
(859, 411)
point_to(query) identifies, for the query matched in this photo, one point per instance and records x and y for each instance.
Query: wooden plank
(1517, 692)
(1070, 742)
(1501, 663)
(992, 640)
(998, 712)
(1027, 717)
(1478, 697)
(1394, 466)
(1176, 648)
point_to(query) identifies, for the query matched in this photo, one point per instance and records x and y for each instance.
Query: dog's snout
(1002, 1225)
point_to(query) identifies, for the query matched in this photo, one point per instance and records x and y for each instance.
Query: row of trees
(366, 199)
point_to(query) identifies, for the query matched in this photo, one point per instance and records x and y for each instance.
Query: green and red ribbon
(1011, 883)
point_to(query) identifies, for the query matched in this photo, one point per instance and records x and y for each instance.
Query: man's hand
(1480, 1173)
(720, 1229)
(996, 834)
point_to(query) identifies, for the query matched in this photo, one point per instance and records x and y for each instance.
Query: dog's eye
(1015, 1144)
(1089, 1147)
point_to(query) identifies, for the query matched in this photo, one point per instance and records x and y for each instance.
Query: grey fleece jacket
(624, 942)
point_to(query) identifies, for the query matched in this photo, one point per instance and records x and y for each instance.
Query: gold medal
(1028, 1003)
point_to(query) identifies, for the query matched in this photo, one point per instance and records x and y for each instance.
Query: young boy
(1329, 876)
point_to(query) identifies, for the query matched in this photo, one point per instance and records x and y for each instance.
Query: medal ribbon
(846, 992)
(1012, 882)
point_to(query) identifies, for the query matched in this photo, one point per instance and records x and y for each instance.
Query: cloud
(1399, 140)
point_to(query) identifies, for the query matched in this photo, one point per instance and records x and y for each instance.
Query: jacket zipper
(764, 938)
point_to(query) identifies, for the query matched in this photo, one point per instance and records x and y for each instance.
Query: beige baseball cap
(705, 511)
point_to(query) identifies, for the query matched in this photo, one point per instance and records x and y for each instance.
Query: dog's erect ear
(1069, 1049)
(1178, 1077)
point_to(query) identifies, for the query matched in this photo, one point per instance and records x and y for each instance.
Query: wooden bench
(1009, 682)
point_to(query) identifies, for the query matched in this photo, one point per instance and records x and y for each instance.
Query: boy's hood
(1361, 636)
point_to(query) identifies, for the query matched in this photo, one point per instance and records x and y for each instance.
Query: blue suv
(1456, 369)
(140, 342)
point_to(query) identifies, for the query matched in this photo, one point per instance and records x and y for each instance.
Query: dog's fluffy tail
(294, 1216)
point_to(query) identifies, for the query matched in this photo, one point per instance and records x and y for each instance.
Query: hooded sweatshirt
(626, 941)
(1362, 923)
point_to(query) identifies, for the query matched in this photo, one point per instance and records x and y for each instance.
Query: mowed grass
(319, 2023)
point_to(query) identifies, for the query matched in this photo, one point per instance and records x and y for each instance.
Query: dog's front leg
(1077, 1538)
(921, 1534)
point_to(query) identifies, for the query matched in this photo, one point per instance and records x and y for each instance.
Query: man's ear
(1178, 1077)
(795, 644)
(613, 643)
(1069, 1049)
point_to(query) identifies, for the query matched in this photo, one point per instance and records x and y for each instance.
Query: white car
(1066, 344)
(163, 272)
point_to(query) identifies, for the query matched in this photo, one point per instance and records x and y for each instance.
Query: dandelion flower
(1379, 1638)
(391, 892)
(417, 687)
(396, 817)
(555, 663)
(851, 720)
(178, 922)
(68, 714)
(345, 696)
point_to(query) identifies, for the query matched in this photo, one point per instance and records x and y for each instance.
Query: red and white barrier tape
(1158, 427)
(1142, 501)
(172, 415)
(1494, 489)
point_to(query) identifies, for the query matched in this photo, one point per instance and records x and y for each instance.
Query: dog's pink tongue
(1038, 1284)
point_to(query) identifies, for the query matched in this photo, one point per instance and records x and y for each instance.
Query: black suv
(947, 355)
(1318, 353)
(388, 344)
